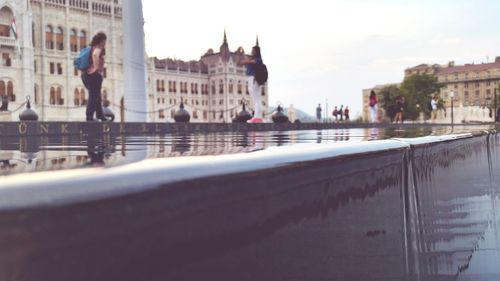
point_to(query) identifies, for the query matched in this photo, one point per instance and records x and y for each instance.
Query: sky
(327, 51)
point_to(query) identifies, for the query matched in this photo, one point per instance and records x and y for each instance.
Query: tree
(388, 97)
(417, 90)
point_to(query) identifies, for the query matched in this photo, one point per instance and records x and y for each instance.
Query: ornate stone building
(211, 88)
(51, 33)
(472, 84)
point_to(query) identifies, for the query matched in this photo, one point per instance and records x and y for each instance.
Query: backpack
(82, 61)
(261, 74)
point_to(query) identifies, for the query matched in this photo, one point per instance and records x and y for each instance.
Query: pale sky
(328, 49)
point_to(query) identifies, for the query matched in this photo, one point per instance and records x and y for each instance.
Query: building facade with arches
(51, 33)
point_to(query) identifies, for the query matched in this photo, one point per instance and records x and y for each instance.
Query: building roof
(468, 68)
(209, 58)
(171, 64)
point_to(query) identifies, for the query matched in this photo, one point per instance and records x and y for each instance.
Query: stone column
(134, 61)
(27, 54)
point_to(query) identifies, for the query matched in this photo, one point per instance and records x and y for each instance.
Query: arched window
(10, 91)
(52, 95)
(83, 39)
(73, 40)
(2, 88)
(59, 98)
(49, 37)
(83, 99)
(240, 87)
(37, 98)
(6, 17)
(77, 97)
(60, 39)
(104, 95)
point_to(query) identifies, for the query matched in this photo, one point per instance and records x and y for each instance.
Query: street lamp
(452, 95)
(495, 110)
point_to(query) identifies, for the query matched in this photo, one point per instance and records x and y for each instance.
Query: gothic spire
(257, 41)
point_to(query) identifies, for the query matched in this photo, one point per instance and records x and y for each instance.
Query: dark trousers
(93, 83)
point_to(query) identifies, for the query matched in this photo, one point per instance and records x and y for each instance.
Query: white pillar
(134, 61)
(27, 54)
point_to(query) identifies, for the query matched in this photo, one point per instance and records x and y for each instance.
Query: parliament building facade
(50, 34)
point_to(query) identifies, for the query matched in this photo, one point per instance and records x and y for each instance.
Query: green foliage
(417, 90)
(387, 96)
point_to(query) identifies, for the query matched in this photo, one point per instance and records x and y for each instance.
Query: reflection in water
(418, 214)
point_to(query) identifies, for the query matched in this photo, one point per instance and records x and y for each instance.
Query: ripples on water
(22, 155)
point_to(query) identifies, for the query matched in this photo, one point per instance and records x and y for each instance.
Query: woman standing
(400, 103)
(373, 103)
(92, 78)
(253, 87)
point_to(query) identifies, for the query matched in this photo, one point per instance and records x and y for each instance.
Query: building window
(75, 71)
(2, 88)
(52, 68)
(161, 114)
(231, 86)
(213, 87)
(83, 39)
(49, 37)
(56, 96)
(466, 95)
(73, 40)
(477, 85)
(477, 94)
(10, 91)
(247, 88)
(240, 88)
(60, 39)
(6, 60)
(221, 87)
(59, 69)
(466, 85)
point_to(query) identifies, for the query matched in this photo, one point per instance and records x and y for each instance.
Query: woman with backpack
(253, 86)
(93, 77)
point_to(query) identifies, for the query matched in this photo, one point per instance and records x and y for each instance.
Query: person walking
(346, 113)
(373, 104)
(93, 77)
(254, 88)
(400, 103)
(318, 113)
(434, 108)
(341, 113)
(335, 114)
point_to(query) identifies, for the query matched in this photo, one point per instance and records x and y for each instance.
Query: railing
(7, 41)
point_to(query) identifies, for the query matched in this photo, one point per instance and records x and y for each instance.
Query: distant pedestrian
(93, 77)
(400, 103)
(335, 113)
(346, 113)
(373, 104)
(318, 113)
(254, 88)
(434, 108)
(341, 113)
